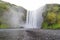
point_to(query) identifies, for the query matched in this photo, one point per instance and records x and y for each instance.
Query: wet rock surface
(31, 34)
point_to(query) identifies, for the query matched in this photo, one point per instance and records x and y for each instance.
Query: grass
(53, 26)
(4, 26)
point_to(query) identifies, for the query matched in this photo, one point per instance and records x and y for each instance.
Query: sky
(32, 4)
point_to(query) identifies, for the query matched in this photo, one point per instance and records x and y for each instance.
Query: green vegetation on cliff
(7, 9)
(51, 17)
(3, 8)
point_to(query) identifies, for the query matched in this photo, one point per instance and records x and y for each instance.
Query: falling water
(34, 18)
(31, 20)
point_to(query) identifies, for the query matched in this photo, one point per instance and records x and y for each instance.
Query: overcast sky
(32, 4)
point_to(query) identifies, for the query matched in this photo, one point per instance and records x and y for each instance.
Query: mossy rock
(4, 26)
(45, 25)
(51, 17)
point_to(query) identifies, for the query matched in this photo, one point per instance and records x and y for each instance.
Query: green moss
(44, 25)
(4, 26)
(52, 26)
(51, 17)
(3, 8)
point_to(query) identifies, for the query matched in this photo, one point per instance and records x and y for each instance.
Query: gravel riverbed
(30, 34)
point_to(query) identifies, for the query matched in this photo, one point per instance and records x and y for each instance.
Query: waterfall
(31, 20)
(34, 18)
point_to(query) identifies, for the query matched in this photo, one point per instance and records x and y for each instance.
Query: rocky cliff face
(11, 15)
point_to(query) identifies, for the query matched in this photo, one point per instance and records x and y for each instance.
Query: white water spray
(31, 20)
